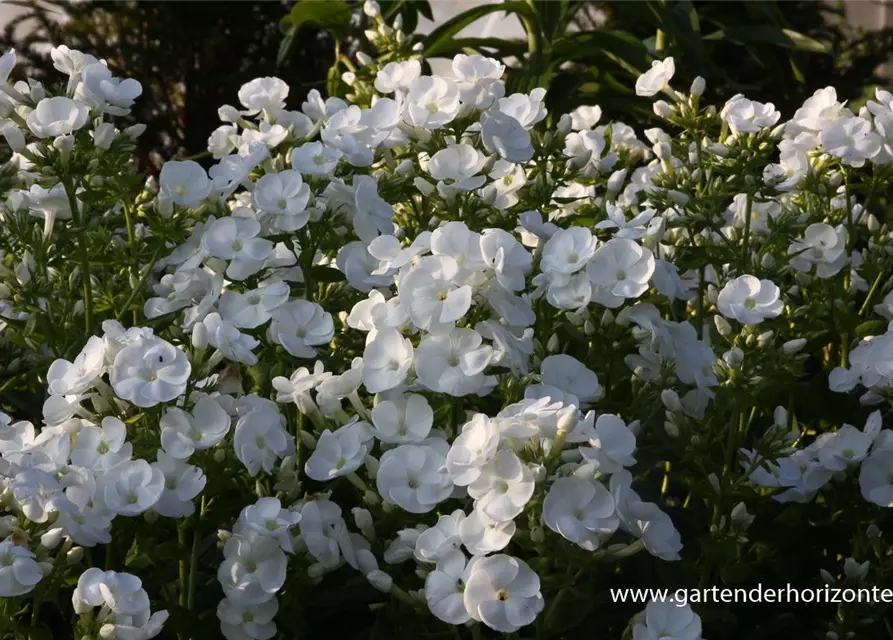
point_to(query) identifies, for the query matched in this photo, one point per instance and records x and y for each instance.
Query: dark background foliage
(191, 57)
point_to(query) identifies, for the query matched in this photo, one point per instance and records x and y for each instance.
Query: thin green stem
(84, 251)
(193, 557)
(745, 250)
(139, 285)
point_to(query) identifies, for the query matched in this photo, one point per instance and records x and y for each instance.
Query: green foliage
(190, 56)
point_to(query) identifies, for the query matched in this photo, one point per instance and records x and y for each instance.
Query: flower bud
(200, 336)
(873, 531)
(552, 345)
(537, 534)
(671, 429)
(733, 357)
(615, 181)
(74, 556)
(380, 580)
(722, 326)
(697, 87)
(765, 339)
(64, 143)
(308, 440)
(662, 109)
(150, 516)
(371, 498)
(349, 77)
(14, 137)
(371, 8)
(363, 58)
(793, 346)
(219, 455)
(104, 135)
(713, 480)
(425, 187)
(671, 400)
(316, 571)
(52, 538)
(371, 35)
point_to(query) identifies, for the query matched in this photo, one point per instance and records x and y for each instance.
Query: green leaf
(286, 46)
(764, 34)
(492, 46)
(441, 38)
(332, 15)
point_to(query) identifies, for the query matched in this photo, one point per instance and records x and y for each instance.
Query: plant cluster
(488, 361)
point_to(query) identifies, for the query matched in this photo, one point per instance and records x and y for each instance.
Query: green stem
(746, 244)
(871, 292)
(139, 285)
(131, 243)
(193, 558)
(84, 251)
(181, 538)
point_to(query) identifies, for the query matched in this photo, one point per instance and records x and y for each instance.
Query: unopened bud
(371, 8)
(722, 326)
(74, 556)
(697, 87)
(671, 400)
(52, 538)
(662, 109)
(793, 346)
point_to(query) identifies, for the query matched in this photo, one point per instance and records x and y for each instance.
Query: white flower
(414, 477)
(585, 149)
(568, 374)
(183, 433)
(645, 520)
(749, 116)
(386, 360)
(620, 269)
(252, 308)
(321, 529)
(481, 535)
(668, 620)
(568, 250)
(122, 593)
(479, 79)
(528, 110)
(315, 158)
(876, 478)
(59, 116)
(851, 139)
(397, 75)
(473, 448)
(656, 78)
(184, 182)
(131, 487)
(585, 117)
(338, 453)
(236, 240)
(749, 300)
(445, 588)
(253, 569)
(454, 363)
(300, 325)
(613, 445)
(580, 510)
(405, 419)
(503, 593)
(457, 168)
(823, 246)
(261, 439)
(100, 449)
(504, 487)
(182, 483)
(49, 204)
(149, 372)
(19, 571)
(74, 378)
(504, 135)
(233, 344)
(440, 541)
(240, 621)
(432, 295)
(263, 93)
(818, 110)
(100, 89)
(284, 195)
(847, 446)
(431, 102)
(266, 517)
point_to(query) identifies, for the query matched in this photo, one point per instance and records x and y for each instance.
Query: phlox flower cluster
(430, 332)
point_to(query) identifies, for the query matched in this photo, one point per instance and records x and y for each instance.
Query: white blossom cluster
(407, 304)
